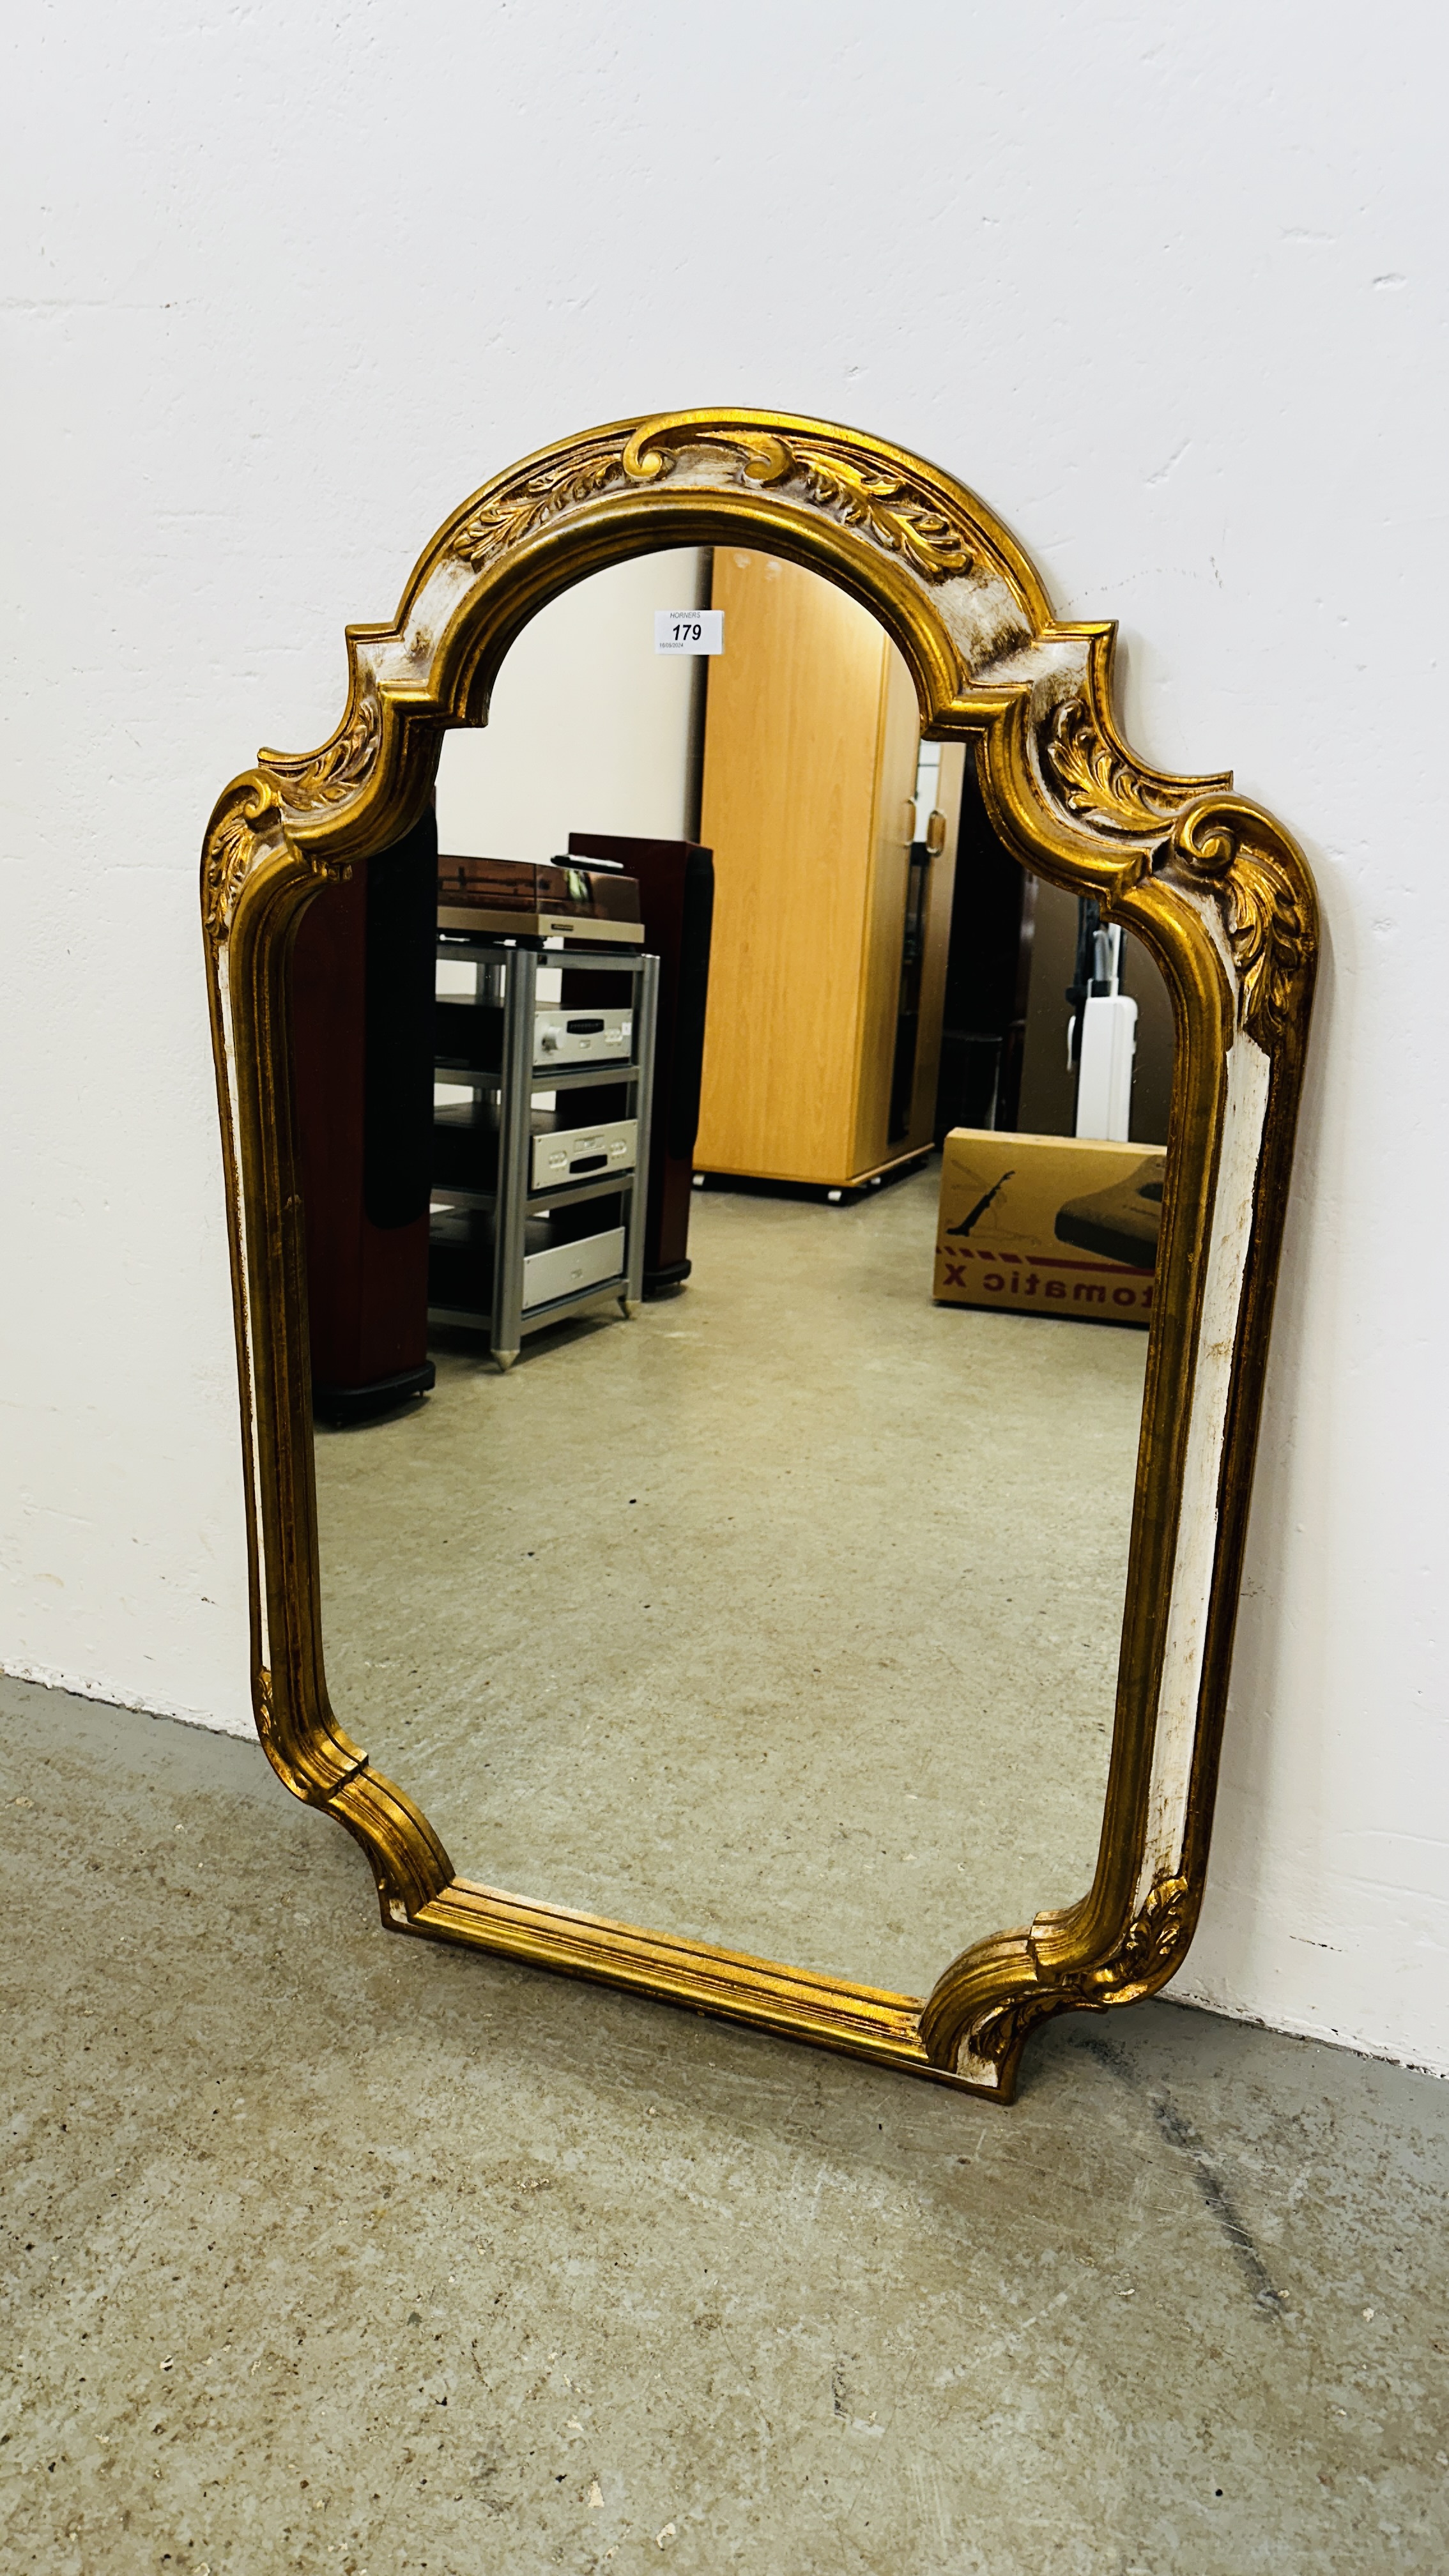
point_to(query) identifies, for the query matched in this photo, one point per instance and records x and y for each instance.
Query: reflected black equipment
(908, 1001)
(362, 1041)
(988, 975)
(676, 905)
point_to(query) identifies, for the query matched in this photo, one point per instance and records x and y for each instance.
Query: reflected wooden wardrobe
(832, 918)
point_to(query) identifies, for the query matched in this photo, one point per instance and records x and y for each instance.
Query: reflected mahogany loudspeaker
(676, 905)
(363, 979)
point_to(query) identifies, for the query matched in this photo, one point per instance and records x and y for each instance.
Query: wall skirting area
(78, 1686)
(1208, 410)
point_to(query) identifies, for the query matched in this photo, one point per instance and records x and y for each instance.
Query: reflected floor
(785, 1615)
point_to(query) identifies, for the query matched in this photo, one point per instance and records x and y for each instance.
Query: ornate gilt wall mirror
(821, 1622)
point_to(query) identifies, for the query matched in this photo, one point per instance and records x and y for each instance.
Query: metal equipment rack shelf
(497, 1221)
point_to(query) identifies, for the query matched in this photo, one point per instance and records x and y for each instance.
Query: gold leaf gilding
(1101, 784)
(892, 510)
(1142, 1954)
(1221, 845)
(312, 781)
(233, 846)
(521, 508)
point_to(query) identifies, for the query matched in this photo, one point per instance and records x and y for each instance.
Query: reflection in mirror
(732, 1190)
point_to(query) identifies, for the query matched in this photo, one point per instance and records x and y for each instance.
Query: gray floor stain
(1218, 2202)
(1180, 2134)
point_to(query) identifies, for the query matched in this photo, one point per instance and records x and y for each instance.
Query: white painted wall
(1168, 287)
(588, 729)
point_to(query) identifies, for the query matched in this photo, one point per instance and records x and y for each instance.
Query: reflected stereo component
(675, 881)
(489, 897)
(362, 1041)
(470, 1035)
(465, 1144)
(582, 1037)
(582, 1153)
(564, 1254)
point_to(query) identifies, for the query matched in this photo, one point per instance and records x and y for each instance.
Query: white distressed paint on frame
(1177, 1707)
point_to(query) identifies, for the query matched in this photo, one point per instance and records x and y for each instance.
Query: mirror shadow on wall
(732, 1191)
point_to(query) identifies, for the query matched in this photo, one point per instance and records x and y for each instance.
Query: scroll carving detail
(1141, 1956)
(232, 848)
(897, 518)
(888, 508)
(1223, 844)
(312, 781)
(1102, 784)
(522, 508)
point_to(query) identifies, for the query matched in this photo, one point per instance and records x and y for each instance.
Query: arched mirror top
(954, 590)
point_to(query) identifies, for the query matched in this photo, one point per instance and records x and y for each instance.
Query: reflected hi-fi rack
(539, 1206)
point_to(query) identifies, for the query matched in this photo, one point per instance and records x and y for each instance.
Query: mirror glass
(732, 1188)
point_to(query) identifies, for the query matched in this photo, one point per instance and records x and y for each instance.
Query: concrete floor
(332, 2250)
(786, 1615)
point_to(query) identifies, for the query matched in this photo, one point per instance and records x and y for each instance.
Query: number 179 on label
(689, 630)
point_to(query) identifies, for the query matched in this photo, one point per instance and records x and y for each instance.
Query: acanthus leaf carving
(1102, 784)
(315, 780)
(1143, 1954)
(1221, 844)
(525, 506)
(233, 845)
(889, 508)
(1002, 2031)
(891, 512)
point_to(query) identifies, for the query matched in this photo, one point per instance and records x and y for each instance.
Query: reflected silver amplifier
(581, 1036)
(565, 1268)
(583, 1153)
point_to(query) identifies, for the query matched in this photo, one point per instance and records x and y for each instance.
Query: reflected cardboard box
(1051, 1225)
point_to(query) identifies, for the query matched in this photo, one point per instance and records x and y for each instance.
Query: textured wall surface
(283, 287)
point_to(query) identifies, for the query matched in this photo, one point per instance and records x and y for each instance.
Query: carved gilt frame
(1214, 888)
